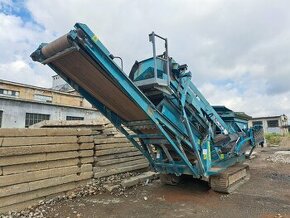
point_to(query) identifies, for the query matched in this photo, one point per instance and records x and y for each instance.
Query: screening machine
(170, 121)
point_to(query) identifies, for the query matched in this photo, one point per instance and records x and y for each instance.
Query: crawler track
(230, 179)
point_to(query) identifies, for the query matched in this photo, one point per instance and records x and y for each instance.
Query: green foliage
(273, 138)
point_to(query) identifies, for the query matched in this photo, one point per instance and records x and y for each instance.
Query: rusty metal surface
(78, 67)
(56, 46)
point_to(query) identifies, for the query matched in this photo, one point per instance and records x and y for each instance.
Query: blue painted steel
(185, 122)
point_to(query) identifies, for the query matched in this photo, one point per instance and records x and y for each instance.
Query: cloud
(18, 39)
(21, 72)
(238, 51)
(253, 103)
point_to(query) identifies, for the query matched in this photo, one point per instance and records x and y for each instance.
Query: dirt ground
(266, 194)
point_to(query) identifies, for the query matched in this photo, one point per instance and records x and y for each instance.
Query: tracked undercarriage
(226, 182)
(229, 180)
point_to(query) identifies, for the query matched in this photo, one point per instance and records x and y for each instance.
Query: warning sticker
(95, 38)
(204, 152)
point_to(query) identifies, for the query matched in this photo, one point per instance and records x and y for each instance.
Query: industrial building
(23, 105)
(273, 124)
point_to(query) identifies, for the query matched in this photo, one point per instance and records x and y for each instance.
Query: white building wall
(282, 122)
(14, 112)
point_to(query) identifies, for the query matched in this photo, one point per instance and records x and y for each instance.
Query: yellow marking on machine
(208, 151)
(95, 38)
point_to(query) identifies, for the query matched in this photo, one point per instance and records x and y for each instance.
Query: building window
(43, 98)
(1, 114)
(74, 118)
(9, 92)
(257, 123)
(273, 123)
(31, 119)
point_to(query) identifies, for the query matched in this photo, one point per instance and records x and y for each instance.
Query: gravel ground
(266, 194)
(280, 157)
(97, 187)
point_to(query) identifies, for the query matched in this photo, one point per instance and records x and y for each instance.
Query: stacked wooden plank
(38, 163)
(113, 152)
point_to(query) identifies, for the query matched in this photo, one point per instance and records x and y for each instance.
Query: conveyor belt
(80, 68)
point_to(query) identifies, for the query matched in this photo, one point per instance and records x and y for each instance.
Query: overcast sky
(238, 51)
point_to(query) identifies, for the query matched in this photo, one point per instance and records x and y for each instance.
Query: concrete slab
(86, 145)
(126, 183)
(112, 145)
(42, 184)
(110, 140)
(21, 159)
(86, 153)
(117, 156)
(38, 175)
(114, 151)
(23, 141)
(10, 200)
(24, 132)
(84, 160)
(34, 158)
(83, 139)
(34, 149)
(61, 155)
(30, 167)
